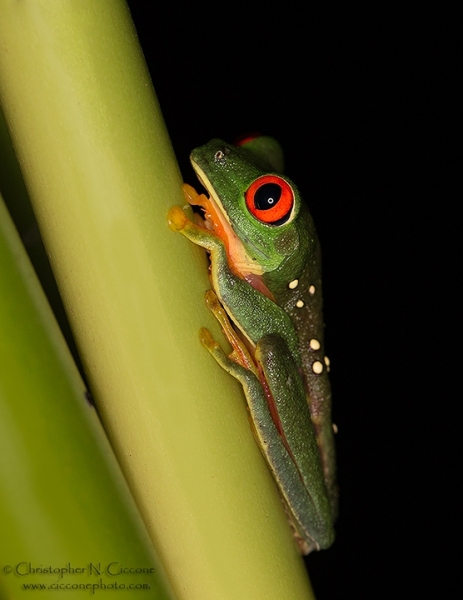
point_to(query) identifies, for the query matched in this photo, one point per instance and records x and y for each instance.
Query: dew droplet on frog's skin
(314, 344)
(317, 367)
(293, 284)
(312, 290)
(300, 304)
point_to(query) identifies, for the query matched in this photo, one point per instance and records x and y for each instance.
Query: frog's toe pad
(190, 193)
(212, 302)
(213, 347)
(177, 219)
(206, 339)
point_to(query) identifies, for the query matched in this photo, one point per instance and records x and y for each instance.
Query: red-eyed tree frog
(266, 278)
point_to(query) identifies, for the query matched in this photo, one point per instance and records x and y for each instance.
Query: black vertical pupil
(267, 196)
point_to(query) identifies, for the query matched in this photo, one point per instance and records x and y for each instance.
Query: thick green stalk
(101, 174)
(63, 499)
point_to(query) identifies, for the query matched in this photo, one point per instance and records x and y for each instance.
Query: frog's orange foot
(177, 219)
(240, 354)
(212, 303)
(208, 341)
(190, 193)
(193, 198)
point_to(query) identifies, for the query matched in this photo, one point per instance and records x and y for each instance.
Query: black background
(363, 99)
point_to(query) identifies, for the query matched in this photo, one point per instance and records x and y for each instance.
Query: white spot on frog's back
(300, 304)
(312, 290)
(293, 284)
(314, 344)
(317, 367)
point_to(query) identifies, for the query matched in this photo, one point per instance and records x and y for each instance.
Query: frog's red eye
(270, 199)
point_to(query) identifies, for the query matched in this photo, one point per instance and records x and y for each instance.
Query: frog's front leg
(178, 221)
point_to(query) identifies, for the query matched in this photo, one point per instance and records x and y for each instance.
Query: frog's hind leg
(270, 443)
(240, 353)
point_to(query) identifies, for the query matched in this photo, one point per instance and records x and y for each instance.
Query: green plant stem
(63, 498)
(101, 174)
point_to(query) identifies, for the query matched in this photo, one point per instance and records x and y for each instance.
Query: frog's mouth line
(250, 265)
